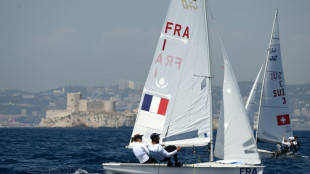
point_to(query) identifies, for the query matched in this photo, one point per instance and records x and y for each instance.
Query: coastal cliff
(90, 119)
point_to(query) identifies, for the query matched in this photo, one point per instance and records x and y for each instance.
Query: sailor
(296, 144)
(163, 154)
(287, 146)
(140, 150)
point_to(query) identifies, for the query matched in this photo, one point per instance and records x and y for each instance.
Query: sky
(47, 44)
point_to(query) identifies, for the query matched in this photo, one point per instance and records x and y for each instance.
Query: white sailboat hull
(199, 168)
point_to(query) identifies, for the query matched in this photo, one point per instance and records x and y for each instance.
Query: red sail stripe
(163, 106)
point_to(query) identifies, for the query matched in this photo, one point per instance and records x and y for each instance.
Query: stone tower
(73, 101)
(109, 106)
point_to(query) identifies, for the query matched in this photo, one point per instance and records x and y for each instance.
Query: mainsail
(176, 99)
(251, 106)
(274, 113)
(233, 141)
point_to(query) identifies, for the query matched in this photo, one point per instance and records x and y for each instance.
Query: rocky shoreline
(91, 120)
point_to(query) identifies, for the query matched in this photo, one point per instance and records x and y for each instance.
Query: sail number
(177, 30)
(276, 75)
(278, 92)
(189, 4)
(248, 171)
(273, 50)
(169, 60)
(273, 58)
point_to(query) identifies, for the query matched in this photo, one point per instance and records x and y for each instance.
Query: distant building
(128, 84)
(297, 112)
(35, 113)
(30, 96)
(52, 104)
(59, 92)
(23, 112)
(131, 84)
(123, 84)
(303, 111)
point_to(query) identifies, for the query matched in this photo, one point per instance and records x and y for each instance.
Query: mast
(263, 84)
(210, 86)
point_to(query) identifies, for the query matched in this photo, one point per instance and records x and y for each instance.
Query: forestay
(274, 114)
(234, 140)
(176, 99)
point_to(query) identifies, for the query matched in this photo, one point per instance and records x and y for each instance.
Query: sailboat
(176, 100)
(232, 116)
(274, 114)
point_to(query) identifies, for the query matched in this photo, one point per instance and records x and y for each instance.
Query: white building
(128, 84)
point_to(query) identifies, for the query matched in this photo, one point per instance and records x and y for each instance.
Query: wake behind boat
(176, 100)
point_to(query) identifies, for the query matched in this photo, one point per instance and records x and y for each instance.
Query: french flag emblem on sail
(155, 104)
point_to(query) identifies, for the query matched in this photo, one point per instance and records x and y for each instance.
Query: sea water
(79, 151)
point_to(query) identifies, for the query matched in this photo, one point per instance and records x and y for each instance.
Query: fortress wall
(83, 105)
(95, 106)
(57, 113)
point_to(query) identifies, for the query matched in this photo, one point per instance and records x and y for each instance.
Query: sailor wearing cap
(291, 138)
(163, 154)
(296, 144)
(140, 150)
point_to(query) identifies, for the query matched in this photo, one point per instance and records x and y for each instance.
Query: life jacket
(285, 149)
(295, 146)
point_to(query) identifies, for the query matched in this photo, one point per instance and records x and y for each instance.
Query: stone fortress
(75, 104)
(88, 113)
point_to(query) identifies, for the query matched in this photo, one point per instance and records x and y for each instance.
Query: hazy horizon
(50, 44)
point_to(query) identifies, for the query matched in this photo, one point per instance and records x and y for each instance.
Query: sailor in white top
(163, 154)
(159, 153)
(287, 145)
(284, 141)
(141, 151)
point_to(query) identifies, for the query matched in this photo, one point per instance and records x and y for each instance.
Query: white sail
(234, 140)
(274, 114)
(251, 106)
(176, 99)
(219, 143)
